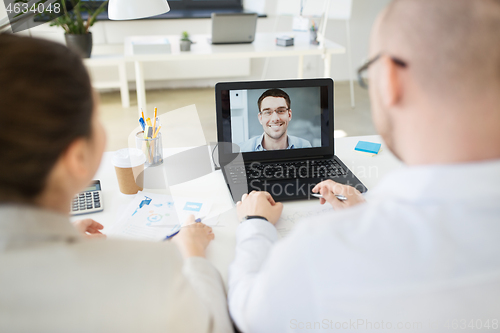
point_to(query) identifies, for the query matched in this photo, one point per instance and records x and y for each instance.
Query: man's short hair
(275, 93)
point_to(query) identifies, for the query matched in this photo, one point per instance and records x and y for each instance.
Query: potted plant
(185, 42)
(77, 34)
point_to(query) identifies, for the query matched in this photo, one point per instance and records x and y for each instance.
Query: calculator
(88, 201)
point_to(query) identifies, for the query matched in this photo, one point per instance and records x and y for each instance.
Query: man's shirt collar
(260, 147)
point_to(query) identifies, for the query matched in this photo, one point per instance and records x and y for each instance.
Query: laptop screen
(269, 119)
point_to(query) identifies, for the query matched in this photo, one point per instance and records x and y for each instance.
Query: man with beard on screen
(275, 114)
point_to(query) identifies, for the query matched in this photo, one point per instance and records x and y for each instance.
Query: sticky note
(368, 147)
(193, 206)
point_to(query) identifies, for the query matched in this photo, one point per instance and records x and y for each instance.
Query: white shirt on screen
(255, 143)
(422, 254)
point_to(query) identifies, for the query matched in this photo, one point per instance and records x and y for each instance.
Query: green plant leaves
(74, 16)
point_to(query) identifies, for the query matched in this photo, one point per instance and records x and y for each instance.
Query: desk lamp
(136, 9)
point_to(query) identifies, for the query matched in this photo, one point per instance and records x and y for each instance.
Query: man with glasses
(275, 114)
(422, 253)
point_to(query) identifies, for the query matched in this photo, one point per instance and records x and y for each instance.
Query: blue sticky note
(368, 147)
(193, 206)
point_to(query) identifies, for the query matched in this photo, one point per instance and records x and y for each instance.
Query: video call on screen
(291, 115)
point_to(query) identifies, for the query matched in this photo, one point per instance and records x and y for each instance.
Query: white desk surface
(263, 46)
(221, 251)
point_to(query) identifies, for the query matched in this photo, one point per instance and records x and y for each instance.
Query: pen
(339, 196)
(143, 124)
(175, 233)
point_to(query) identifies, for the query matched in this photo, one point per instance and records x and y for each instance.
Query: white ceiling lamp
(136, 9)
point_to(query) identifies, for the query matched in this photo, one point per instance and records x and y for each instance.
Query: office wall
(364, 13)
(109, 36)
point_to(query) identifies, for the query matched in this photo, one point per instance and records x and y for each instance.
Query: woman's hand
(89, 228)
(193, 238)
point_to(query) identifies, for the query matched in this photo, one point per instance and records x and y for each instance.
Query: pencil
(143, 115)
(156, 114)
(157, 131)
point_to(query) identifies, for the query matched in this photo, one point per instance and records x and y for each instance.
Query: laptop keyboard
(288, 170)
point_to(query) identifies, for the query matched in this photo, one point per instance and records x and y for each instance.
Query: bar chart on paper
(153, 216)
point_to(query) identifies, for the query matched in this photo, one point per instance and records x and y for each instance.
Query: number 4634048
(472, 324)
(18, 8)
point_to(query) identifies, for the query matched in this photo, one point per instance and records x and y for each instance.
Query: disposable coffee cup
(129, 167)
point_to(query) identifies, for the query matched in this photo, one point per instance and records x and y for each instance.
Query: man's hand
(193, 238)
(261, 204)
(328, 189)
(89, 228)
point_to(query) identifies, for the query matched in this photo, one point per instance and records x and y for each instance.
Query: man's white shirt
(422, 254)
(256, 143)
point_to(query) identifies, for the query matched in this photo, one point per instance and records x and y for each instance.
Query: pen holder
(313, 37)
(152, 148)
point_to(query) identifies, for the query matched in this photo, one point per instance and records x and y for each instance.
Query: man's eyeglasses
(363, 70)
(279, 111)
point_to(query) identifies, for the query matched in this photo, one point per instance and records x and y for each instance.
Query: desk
(264, 46)
(221, 251)
(111, 60)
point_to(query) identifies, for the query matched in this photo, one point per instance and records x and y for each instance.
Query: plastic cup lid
(128, 158)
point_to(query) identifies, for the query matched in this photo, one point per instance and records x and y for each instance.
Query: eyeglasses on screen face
(279, 111)
(363, 70)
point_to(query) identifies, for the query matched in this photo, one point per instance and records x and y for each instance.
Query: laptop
(233, 28)
(277, 136)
